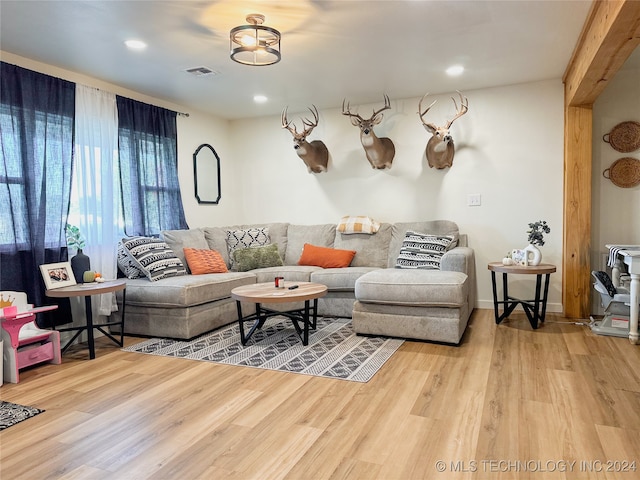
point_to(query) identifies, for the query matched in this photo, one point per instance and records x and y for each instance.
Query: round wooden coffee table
(260, 293)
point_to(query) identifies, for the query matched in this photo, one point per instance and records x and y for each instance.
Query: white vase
(534, 256)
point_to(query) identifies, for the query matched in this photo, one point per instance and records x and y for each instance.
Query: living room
(509, 150)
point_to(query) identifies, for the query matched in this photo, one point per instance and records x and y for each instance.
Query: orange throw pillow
(204, 261)
(325, 257)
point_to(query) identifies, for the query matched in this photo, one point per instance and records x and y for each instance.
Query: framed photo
(57, 275)
(519, 257)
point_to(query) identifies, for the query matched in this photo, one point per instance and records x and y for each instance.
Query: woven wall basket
(624, 172)
(624, 137)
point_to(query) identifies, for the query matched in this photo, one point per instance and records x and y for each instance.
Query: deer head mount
(440, 148)
(314, 154)
(379, 151)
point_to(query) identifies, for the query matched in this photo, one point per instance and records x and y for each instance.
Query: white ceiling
(330, 49)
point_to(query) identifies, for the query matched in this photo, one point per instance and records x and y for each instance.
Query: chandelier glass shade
(255, 44)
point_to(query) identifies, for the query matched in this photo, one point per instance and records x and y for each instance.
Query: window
(36, 142)
(148, 168)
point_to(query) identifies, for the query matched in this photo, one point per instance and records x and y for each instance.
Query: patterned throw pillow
(201, 261)
(153, 257)
(421, 250)
(257, 257)
(126, 264)
(358, 224)
(252, 237)
(325, 257)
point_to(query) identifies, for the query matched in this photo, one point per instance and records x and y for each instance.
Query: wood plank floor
(508, 403)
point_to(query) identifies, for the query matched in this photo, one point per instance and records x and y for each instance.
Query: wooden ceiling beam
(610, 34)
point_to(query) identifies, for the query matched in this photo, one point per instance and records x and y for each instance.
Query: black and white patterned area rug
(12, 413)
(334, 350)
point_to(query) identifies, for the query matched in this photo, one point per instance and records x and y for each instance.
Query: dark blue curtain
(36, 135)
(148, 155)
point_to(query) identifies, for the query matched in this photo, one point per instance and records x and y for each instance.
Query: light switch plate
(474, 200)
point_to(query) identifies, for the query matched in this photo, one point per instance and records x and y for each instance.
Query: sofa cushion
(178, 240)
(185, 291)
(357, 224)
(216, 238)
(257, 257)
(435, 227)
(298, 235)
(339, 279)
(245, 238)
(201, 261)
(325, 257)
(153, 257)
(413, 287)
(291, 273)
(371, 250)
(420, 250)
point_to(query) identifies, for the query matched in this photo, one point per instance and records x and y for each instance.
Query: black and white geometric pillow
(421, 250)
(126, 264)
(153, 257)
(251, 237)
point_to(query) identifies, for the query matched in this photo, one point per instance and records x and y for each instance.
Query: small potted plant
(536, 238)
(536, 232)
(80, 262)
(75, 239)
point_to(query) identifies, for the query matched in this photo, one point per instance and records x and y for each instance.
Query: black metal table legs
(534, 309)
(306, 316)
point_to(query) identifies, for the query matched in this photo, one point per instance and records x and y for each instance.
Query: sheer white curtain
(95, 193)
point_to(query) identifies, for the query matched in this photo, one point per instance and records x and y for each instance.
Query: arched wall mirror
(206, 174)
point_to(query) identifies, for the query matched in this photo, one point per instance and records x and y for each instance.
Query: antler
(431, 126)
(311, 125)
(387, 105)
(358, 118)
(348, 113)
(286, 124)
(464, 108)
(308, 123)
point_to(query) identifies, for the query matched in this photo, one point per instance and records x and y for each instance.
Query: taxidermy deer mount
(314, 154)
(440, 148)
(379, 151)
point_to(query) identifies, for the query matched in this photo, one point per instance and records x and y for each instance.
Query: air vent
(201, 71)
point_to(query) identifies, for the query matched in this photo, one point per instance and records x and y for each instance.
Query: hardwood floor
(508, 403)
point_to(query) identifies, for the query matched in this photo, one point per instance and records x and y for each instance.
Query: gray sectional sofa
(383, 300)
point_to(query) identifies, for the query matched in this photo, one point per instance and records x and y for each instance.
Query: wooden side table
(86, 290)
(536, 308)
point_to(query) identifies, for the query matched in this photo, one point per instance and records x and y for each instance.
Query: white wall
(509, 150)
(193, 131)
(615, 213)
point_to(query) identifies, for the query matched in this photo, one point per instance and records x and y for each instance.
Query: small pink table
(16, 360)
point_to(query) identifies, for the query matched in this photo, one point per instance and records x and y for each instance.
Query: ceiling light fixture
(455, 70)
(135, 44)
(260, 98)
(255, 44)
